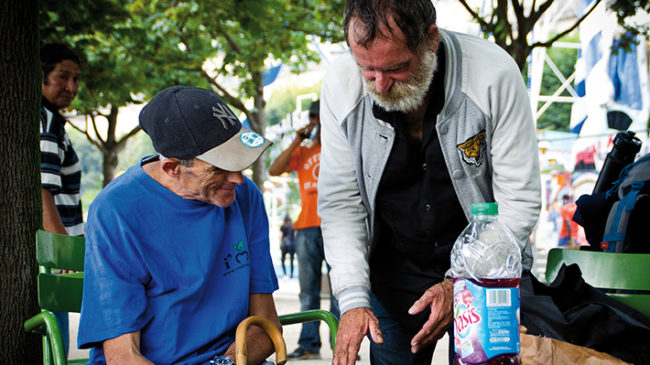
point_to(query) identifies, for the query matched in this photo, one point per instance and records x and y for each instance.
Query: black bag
(573, 311)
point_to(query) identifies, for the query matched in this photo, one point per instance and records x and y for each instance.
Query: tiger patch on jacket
(471, 149)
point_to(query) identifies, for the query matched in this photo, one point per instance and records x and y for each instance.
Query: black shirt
(418, 215)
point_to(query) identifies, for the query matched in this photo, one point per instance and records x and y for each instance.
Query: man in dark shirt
(415, 235)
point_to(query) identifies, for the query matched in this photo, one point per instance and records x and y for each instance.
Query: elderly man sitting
(177, 250)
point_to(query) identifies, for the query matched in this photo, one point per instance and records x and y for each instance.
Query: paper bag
(548, 351)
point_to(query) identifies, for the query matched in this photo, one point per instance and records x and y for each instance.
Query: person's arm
(51, 219)
(282, 162)
(343, 215)
(258, 344)
(114, 301)
(516, 181)
(50, 174)
(124, 349)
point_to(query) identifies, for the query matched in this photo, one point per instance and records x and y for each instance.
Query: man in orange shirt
(304, 158)
(569, 232)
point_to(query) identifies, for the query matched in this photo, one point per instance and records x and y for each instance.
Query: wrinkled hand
(439, 298)
(354, 325)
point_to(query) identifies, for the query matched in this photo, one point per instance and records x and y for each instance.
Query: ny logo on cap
(223, 113)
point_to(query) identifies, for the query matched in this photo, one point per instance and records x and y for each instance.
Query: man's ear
(434, 37)
(171, 167)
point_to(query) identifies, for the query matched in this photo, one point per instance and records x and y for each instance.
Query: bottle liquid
(486, 267)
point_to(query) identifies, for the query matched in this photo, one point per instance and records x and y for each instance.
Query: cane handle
(273, 333)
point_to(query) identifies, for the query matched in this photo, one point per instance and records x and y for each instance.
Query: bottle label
(486, 321)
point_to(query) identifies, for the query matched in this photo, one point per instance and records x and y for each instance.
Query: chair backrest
(59, 292)
(624, 276)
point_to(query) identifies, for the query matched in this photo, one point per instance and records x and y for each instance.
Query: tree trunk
(520, 50)
(110, 147)
(109, 164)
(258, 123)
(21, 211)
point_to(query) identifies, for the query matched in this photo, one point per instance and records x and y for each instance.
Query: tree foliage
(225, 45)
(511, 22)
(100, 34)
(626, 13)
(228, 45)
(512, 32)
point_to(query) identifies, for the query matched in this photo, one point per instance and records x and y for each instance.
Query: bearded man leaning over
(418, 123)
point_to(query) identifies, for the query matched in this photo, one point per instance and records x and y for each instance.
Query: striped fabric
(61, 171)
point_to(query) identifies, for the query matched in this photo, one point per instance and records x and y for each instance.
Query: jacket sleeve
(492, 80)
(343, 215)
(516, 174)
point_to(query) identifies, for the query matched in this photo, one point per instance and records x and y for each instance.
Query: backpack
(570, 310)
(627, 228)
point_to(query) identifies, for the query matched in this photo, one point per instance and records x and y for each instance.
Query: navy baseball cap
(187, 122)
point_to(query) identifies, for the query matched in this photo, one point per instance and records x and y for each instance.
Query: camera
(310, 133)
(626, 146)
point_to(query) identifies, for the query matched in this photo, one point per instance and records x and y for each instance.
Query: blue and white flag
(613, 86)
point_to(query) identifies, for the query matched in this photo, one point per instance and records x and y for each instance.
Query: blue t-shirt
(178, 270)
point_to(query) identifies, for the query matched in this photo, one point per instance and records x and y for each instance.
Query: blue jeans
(396, 348)
(309, 248)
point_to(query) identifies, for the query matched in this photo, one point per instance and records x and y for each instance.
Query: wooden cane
(273, 333)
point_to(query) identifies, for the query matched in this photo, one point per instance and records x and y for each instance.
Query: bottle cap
(485, 208)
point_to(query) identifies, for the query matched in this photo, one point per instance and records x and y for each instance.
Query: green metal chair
(314, 315)
(56, 292)
(623, 276)
(62, 293)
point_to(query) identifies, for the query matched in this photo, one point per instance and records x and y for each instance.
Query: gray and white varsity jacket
(487, 135)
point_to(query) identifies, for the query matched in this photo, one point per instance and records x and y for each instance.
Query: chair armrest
(47, 325)
(313, 315)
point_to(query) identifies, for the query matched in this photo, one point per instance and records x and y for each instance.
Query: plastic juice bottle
(486, 267)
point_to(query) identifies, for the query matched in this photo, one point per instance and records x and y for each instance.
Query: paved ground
(286, 300)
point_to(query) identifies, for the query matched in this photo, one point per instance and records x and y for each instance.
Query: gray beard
(406, 96)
